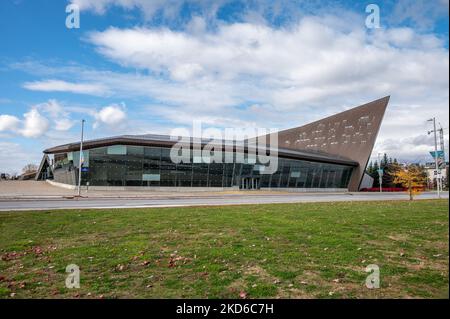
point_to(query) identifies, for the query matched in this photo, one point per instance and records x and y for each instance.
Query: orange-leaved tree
(412, 177)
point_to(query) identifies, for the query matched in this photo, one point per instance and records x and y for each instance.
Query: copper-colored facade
(350, 134)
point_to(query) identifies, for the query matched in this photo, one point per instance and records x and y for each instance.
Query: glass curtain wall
(122, 165)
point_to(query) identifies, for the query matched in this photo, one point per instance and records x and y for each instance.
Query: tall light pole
(442, 144)
(441, 138)
(81, 158)
(435, 156)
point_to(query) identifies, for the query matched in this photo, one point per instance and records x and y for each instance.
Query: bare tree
(29, 168)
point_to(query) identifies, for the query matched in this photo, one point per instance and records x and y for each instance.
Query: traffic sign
(440, 154)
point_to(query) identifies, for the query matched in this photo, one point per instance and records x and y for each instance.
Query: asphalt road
(201, 200)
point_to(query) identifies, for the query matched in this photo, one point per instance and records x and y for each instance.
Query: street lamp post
(81, 158)
(436, 157)
(442, 145)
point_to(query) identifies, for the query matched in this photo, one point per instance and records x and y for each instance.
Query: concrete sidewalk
(23, 190)
(38, 190)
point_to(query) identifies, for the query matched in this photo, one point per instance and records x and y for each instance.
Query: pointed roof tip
(380, 102)
(387, 97)
(384, 101)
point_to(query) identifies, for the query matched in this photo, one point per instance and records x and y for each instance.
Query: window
(155, 177)
(130, 165)
(117, 150)
(168, 169)
(184, 174)
(199, 175)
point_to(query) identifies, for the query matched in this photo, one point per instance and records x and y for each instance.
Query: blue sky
(136, 67)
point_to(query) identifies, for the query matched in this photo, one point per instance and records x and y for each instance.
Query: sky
(150, 66)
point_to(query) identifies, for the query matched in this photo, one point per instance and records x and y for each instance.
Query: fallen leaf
(120, 267)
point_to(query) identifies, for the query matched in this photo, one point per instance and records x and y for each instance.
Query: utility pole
(81, 158)
(441, 138)
(442, 144)
(435, 156)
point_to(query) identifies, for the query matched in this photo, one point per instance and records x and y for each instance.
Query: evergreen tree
(384, 161)
(388, 180)
(389, 165)
(376, 166)
(376, 182)
(370, 168)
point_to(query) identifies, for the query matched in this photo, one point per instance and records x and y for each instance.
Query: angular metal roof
(168, 141)
(351, 133)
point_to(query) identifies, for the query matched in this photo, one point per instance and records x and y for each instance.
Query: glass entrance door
(250, 183)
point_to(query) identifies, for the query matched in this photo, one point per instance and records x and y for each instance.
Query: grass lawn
(309, 250)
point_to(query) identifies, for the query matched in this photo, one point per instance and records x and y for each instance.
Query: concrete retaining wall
(195, 189)
(62, 185)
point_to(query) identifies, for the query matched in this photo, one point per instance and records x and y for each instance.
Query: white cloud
(13, 157)
(422, 13)
(61, 117)
(8, 122)
(53, 115)
(34, 124)
(411, 149)
(307, 63)
(252, 73)
(63, 86)
(110, 115)
(63, 124)
(53, 108)
(185, 72)
(168, 8)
